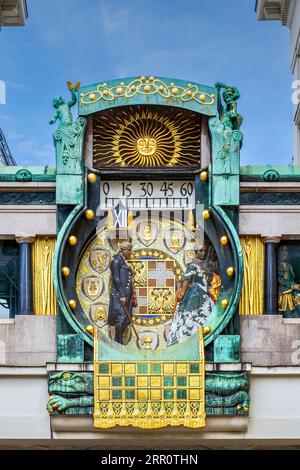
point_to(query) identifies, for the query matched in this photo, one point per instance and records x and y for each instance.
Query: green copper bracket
(62, 237)
(231, 286)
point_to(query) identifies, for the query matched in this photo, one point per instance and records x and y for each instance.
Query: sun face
(144, 136)
(146, 145)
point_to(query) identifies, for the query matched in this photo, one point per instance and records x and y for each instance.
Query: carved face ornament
(146, 146)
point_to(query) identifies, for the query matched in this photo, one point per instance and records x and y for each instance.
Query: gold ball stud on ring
(203, 176)
(224, 240)
(92, 178)
(230, 271)
(72, 240)
(89, 214)
(206, 330)
(72, 304)
(224, 303)
(65, 271)
(206, 214)
(90, 329)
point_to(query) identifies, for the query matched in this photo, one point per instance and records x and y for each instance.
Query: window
(9, 253)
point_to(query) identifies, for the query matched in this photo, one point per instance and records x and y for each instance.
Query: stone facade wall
(266, 340)
(270, 340)
(28, 340)
(270, 221)
(274, 418)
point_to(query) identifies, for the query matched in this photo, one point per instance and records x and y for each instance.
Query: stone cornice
(28, 209)
(277, 209)
(271, 239)
(261, 186)
(13, 13)
(30, 186)
(25, 239)
(275, 10)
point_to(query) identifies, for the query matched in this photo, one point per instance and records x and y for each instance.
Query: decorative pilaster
(25, 276)
(226, 143)
(252, 297)
(271, 284)
(68, 142)
(44, 299)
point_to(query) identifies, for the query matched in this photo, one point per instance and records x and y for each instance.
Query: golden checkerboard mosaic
(149, 394)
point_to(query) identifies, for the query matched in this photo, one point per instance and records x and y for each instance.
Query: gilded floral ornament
(148, 86)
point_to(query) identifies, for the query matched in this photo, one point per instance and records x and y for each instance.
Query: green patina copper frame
(218, 224)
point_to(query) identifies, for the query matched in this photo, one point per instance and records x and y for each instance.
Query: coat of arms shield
(99, 260)
(92, 287)
(148, 340)
(174, 239)
(147, 232)
(98, 314)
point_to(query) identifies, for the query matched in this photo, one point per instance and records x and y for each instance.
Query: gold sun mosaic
(146, 137)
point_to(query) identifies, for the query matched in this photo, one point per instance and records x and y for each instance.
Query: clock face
(186, 260)
(162, 252)
(184, 266)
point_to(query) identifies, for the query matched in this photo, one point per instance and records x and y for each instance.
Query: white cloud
(18, 86)
(16, 136)
(3, 117)
(31, 146)
(113, 19)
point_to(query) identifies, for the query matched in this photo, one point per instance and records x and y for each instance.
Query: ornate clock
(148, 171)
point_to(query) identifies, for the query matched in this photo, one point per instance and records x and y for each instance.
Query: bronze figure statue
(122, 293)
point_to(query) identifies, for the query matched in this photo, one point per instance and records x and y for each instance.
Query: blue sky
(97, 40)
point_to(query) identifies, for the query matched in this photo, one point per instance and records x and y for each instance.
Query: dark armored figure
(122, 294)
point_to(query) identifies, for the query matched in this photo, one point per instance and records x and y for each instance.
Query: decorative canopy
(149, 91)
